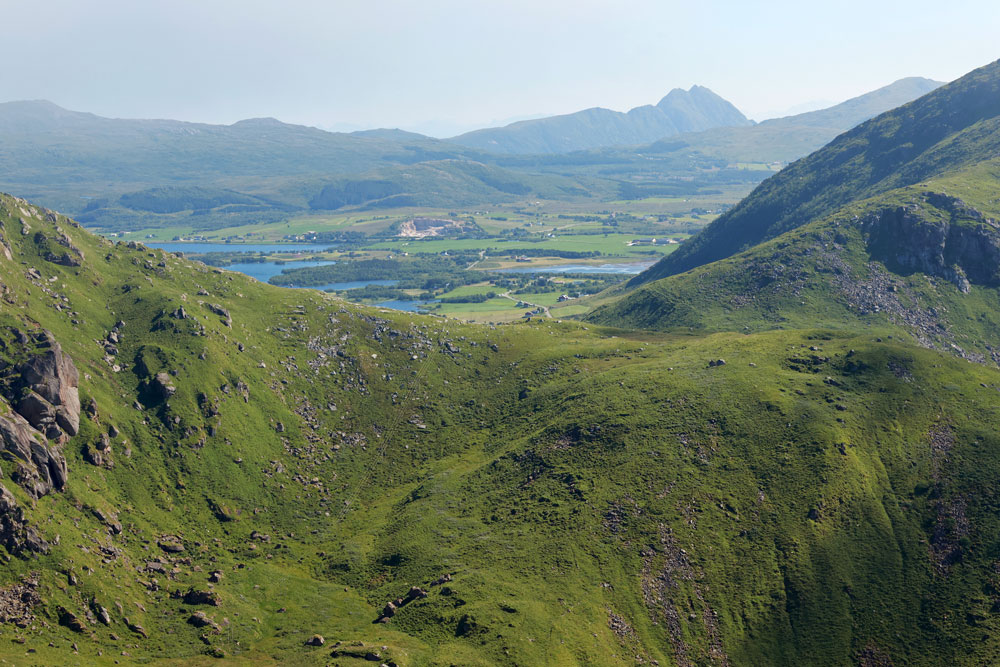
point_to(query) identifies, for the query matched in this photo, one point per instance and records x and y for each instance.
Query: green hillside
(254, 466)
(785, 457)
(921, 260)
(92, 148)
(441, 183)
(954, 126)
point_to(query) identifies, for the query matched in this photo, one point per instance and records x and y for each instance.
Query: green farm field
(612, 245)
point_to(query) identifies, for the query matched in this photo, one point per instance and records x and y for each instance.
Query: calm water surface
(262, 271)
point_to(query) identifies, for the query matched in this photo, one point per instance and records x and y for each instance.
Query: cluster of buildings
(663, 241)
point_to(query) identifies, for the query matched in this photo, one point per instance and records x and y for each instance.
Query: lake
(633, 268)
(263, 271)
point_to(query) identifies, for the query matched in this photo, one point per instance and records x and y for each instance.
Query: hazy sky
(455, 63)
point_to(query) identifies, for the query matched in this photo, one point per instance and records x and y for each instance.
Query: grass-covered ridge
(921, 259)
(595, 495)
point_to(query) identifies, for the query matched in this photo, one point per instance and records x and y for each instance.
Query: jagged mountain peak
(678, 111)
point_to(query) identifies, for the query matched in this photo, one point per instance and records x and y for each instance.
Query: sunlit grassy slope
(597, 496)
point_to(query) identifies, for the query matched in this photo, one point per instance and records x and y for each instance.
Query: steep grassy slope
(954, 126)
(594, 496)
(921, 259)
(679, 111)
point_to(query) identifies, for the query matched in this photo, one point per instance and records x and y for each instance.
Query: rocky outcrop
(162, 386)
(100, 612)
(42, 468)
(222, 313)
(41, 389)
(63, 259)
(940, 236)
(99, 453)
(18, 602)
(16, 535)
(390, 609)
(171, 544)
(48, 381)
(70, 620)
(194, 596)
(109, 519)
(58, 249)
(201, 620)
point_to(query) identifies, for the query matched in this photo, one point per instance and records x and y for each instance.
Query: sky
(445, 66)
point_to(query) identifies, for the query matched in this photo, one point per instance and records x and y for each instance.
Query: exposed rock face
(222, 313)
(51, 376)
(71, 620)
(15, 534)
(46, 407)
(99, 453)
(163, 386)
(954, 242)
(200, 620)
(44, 467)
(40, 414)
(171, 544)
(63, 259)
(109, 519)
(59, 249)
(193, 596)
(136, 628)
(390, 609)
(100, 612)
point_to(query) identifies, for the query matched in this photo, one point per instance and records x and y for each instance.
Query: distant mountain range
(789, 138)
(82, 163)
(130, 174)
(92, 147)
(680, 111)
